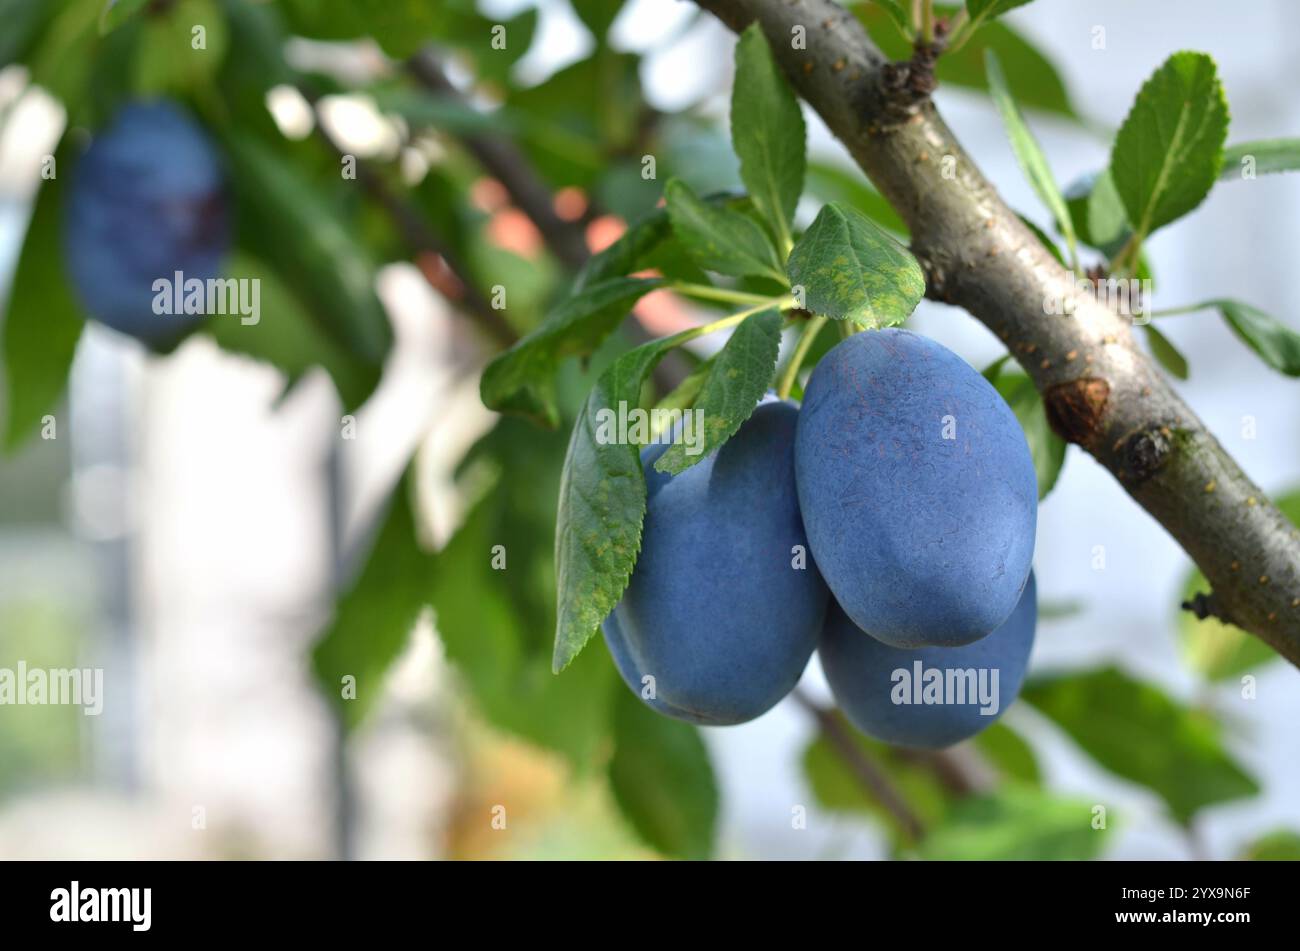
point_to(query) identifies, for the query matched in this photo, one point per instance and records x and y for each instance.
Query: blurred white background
(202, 611)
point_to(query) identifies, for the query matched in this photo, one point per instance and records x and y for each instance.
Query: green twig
(966, 27)
(1125, 263)
(1176, 311)
(791, 373)
(708, 292)
(725, 322)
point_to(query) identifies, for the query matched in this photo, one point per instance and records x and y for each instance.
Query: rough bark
(1101, 391)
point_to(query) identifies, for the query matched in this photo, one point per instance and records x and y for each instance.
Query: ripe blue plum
(917, 490)
(716, 610)
(927, 697)
(148, 199)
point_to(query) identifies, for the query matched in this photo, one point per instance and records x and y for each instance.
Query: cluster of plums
(907, 479)
(147, 199)
(888, 523)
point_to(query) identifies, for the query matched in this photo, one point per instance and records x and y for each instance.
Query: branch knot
(1206, 606)
(1145, 452)
(1075, 409)
(908, 84)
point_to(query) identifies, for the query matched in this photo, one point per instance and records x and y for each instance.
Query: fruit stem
(767, 304)
(1126, 261)
(791, 373)
(961, 24)
(708, 292)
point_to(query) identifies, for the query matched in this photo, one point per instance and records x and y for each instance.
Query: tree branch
(1100, 390)
(876, 783)
(418, 235)
(504, 162)
(508, 164)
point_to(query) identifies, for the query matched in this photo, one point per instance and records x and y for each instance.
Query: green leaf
(1009, 754)
(633, 250)
(1222, 651)
(894, 10)
(662, 780)
(718, 238)
(981, 10)
(1100, 220)
(597, 15)
(43, 320)
(1281, 845)
(1169, 151)
(399, 26)
(1016, 824)
(649, 244)
(1046, 448)
(1028, 153)
(1266, 156)
(848, 186)
(1097, 213)
(1033, 80)
(165, 59)
(254, 64)
(1058, 610)
(741, 373)
(1166, 354)
(685, 393)
(373, 620)
(1277, 344)
(61, 61)
(767, 132)
(994, 369)
(494, 616)
(852, 269)
(534, 284)
(286, 338)
(493, 65)
(1138, 732)
(24, 21)
(290, 225)
(117, 12)
(419, 108)
(521, 380)
(1216, 650)
(580, 116)
(602, 504)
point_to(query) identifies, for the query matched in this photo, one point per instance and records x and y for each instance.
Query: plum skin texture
(923, 540)
(714, 610)
(148, 198)
(860, 670)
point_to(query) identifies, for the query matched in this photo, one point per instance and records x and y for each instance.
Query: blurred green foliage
(39, 745)
(316, 238)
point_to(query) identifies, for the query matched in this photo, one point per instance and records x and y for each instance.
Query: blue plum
(927, 697)
(917, 490)
(148, 199)
(716, 611)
